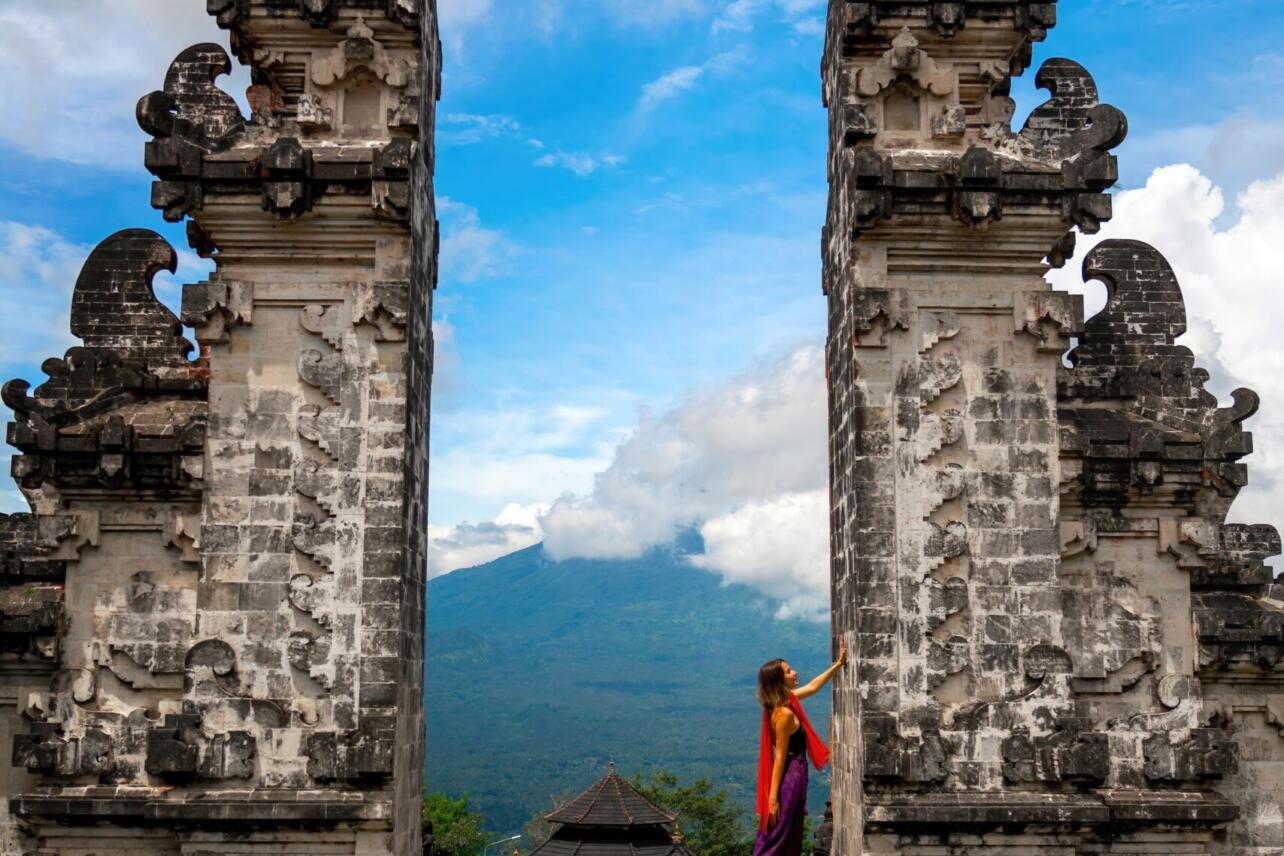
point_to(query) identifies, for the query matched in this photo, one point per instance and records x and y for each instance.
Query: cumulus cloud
(1232, 153)
(1230, 276)
(467, 545)
(778, 545)
(73, 72)
(510, 457)
(744, 460)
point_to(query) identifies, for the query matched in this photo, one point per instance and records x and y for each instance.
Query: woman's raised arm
(820, 680)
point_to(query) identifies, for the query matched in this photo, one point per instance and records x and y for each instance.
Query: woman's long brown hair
(772, 692)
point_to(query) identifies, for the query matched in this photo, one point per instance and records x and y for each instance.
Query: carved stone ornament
(360, 50)
(905, 58)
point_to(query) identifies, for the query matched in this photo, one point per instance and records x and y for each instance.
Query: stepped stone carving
(1061, 645)
(211, 620)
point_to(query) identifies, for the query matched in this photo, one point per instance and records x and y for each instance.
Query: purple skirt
(785, 836)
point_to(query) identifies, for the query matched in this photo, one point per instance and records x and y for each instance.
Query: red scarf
(816, 750)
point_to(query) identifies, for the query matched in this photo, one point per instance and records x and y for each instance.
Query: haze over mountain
(540, 672)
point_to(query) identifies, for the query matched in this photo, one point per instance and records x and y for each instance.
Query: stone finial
(1144, 312)
(114, 307)
(1073, 120)
(190, 106)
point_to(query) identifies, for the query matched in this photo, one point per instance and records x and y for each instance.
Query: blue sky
(631, 195)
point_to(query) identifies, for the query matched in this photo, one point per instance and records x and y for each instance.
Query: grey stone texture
(211, 622)
(1060, 646)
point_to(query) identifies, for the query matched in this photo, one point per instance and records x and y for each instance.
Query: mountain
(540, 672)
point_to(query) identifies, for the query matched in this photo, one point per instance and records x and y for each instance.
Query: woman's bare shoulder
(784, 715)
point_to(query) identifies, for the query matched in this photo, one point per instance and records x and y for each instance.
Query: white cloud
(1230, 277)
(1233, 152)
(464, 129)
(811, 27)
(73, 72)
(519, 454)
(465, 20)
(462, 13)
(650, 13)
(467, 545)
(445, 361)
(498, 475)
(668, 85)
(684, 78)
(469, 250)
(744, 462)
(740, 15)
(454, 129)
(456, 18)
(38, 268)
(778, 545)
(514, 458)
(580, 163)
(470, 128)
(746, 456)
(548, 16)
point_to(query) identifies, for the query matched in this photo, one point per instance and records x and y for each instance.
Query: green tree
(456, 830)
(710, 824)
(537, 830)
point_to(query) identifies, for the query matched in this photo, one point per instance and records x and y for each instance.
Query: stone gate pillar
(236, 544)
(1012, 538)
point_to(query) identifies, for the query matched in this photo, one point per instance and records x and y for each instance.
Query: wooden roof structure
(611, 818)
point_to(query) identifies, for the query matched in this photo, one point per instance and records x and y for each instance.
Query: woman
(787, 741)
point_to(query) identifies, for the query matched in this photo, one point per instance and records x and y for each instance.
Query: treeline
(708, 821)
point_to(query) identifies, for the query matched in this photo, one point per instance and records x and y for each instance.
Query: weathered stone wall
(213, 621)
(1030, 560)
(418, 370)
